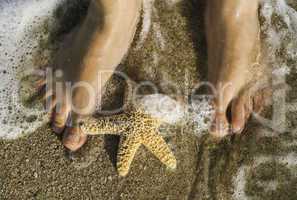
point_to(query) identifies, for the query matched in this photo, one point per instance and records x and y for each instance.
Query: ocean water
(279, 28)
(20, 21)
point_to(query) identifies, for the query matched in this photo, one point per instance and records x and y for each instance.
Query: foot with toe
(74, 139)
(66, 106)
(238, 110)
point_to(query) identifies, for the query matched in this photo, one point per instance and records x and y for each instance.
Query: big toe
(59, 123)
(74, 139)
(59, 119)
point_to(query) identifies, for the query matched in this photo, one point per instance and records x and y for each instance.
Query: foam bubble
(162, 107)
(147, 7)
(239, 183)
(149, 13)
(172, 3)
(281, 34)
(201, 114)
(22, 20)
(21, 23)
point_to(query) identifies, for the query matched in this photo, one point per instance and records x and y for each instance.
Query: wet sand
(37, 166)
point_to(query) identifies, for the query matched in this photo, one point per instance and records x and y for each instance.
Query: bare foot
(99, 44)
(231, 116)
(233, 37)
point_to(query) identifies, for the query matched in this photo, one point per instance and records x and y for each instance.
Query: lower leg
(99, 44)
(233, 47)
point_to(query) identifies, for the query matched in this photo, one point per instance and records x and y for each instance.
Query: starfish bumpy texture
(136, 128)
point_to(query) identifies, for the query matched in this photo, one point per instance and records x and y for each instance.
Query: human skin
(234, 51)
(99, 44)
(105, 35)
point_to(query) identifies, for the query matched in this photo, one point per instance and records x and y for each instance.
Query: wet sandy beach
(260, 164)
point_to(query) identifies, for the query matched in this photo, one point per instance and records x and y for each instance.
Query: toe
(40, 88)
(40, 83)
(261, 99)
(60, 118)
(74, 139)
(39, 91)
(241, 111)
(59, 123)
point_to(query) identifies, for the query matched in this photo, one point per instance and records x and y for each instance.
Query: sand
(260, 164)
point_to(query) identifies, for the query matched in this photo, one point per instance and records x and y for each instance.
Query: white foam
(20, 21)
(281, 71)
(239, 183)
(280, 29)
(149, 13)
(277, 39)
(162, 107)
(172, 3)
(158, 35)
(201, 113)
(147, 7)
(280, 39)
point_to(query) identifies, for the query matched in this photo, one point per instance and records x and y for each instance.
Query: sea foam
(20, 22)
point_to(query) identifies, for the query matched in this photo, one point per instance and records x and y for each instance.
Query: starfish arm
(157, 145)
(127, 150)
(113, 125)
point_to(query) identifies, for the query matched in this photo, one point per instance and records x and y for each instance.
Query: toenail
(58, 130)
(237, 130)
(74, 146)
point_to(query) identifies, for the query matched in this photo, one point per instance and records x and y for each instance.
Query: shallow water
(279, 30)
(21, 31)
(35, 167)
